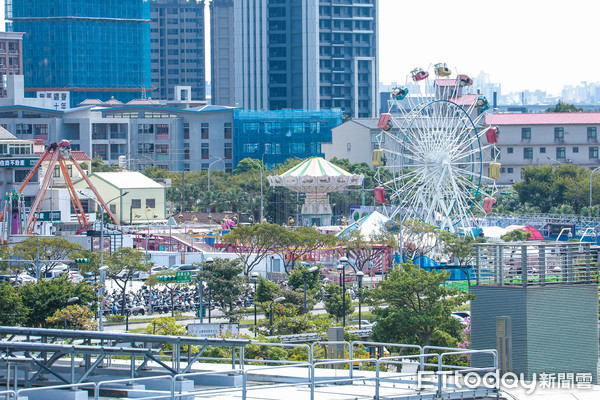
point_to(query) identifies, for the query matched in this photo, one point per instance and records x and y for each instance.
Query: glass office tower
(96, 49)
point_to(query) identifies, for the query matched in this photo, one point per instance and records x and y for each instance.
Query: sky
(522, 44)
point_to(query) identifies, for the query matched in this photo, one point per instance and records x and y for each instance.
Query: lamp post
(342, 266)
(70, 301)
(254, 277)
(308, 271)
(102, 221)
(200, 290)
(592, 174)
(277, 300)
(102, 271)
(359, 275)
(261, 166)
(569, 233)
(208, 261)
(210, 165)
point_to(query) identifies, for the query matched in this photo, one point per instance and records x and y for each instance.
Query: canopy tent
(369, 226)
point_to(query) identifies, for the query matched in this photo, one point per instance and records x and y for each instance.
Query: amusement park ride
(22, 221)
(438, 151)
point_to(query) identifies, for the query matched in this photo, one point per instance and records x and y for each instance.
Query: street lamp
(254, 278)
(200, 292)
(209, 260)
(210, 165)
(359, 275)
(277, 300)
(261, 166)
(70, 301)
(569, 233)
(308, 271)
(102, 271)
(591, 174)
(342, 266)
(290, 221)
(102, 221)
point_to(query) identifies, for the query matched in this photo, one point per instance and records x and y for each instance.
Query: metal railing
(533, 263)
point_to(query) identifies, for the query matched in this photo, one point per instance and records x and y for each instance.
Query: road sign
(49, 216)
(183, 277)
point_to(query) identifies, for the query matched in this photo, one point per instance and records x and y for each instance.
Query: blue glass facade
(275, 136)
(98, 48)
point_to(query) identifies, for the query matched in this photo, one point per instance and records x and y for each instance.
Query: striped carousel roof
(316, 166)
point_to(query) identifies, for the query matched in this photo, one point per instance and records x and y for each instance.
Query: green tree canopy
(51, 250)
(12, 310)
(296, 278)
(225, 283)
(562, 107)
(45, 297)
(460, 247)
(334, 303)
(412, 304)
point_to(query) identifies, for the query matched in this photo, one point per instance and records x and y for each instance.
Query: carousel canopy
(316, 175)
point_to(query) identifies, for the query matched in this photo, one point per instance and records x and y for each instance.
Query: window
(162, 130)
(228, 130)
(136, 203)
(509, 150)
(559, 135)
(113, 208)
(99, 132)
(525, 133)
(41, 131)
(186, 130)
(229, 150)
(528, 153)
(542, 150)
(56, 172)
(594, 152)
(592, 134)
(297, 148)
(509, 170)
(24, 129)
(561, 152)
(205, 151)
(204, 130)
(145, 148)
(150, 203)
(100, 150)
(575, 149)
(348, 146)
(162, 149)
(145, 129)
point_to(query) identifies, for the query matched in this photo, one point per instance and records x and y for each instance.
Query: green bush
(115, 319)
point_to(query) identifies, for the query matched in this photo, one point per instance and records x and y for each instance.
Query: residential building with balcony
(545, 138)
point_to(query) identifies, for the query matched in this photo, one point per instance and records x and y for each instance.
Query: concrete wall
(554, 328)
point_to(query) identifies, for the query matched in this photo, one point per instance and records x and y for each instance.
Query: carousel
(316, 177)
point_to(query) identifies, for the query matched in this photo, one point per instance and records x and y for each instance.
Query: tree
(12, 312)
(293, 244)
(265, 290)
(72, 317)
(122, 264)
(45, 297)
(562, 107)
(365, 249)
(252, 243)
(516, 235)
(51, 250)
(412, 304)
(334, 303)
(460, 247)
(223, 280)
(418, 238)
(296, 278)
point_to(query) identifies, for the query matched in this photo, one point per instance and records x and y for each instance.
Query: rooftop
(128, 180)
(542, 118)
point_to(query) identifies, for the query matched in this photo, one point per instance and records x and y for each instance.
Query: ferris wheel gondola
(437, 148)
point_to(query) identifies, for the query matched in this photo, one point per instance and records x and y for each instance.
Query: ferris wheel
(440, 154)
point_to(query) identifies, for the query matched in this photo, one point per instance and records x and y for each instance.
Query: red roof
(77, 155)
(542, 118)
(445, 82)
(465, 100)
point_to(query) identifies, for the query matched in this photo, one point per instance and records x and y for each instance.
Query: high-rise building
(177, 47)
(97, 49)
(11, 57)
(299, 54)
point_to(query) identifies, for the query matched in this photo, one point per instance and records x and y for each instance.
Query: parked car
(461, 315)
(183, 267)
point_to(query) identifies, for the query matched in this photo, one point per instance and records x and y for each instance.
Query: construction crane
(55, 154)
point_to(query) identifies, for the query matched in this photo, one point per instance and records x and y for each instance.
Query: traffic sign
(183, 276)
